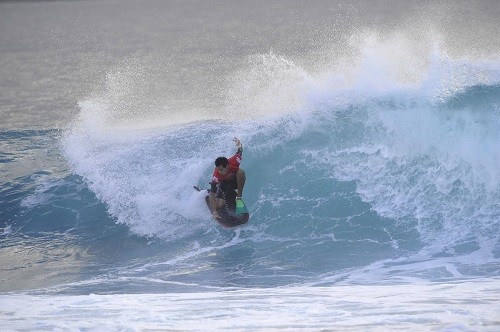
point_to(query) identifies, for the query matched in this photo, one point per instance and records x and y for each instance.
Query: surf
(352, 164)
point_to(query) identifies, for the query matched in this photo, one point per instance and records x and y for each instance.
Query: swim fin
(240, 207)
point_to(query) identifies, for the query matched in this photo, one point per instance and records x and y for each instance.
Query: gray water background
(54, 54)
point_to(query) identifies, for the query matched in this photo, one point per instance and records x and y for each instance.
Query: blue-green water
(333, 190)
(371, 151)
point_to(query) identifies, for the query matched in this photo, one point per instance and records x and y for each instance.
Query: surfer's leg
(229, 194)
(219, 203)
(219, 197)
(216, 199)
(240, 181)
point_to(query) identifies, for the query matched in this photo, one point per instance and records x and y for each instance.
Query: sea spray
(351, 165)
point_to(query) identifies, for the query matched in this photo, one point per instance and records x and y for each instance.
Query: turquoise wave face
(371, 188)
(390, 188)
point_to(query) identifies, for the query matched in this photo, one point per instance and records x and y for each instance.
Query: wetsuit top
(234, 165)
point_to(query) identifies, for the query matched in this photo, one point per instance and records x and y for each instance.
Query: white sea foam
(460, 306)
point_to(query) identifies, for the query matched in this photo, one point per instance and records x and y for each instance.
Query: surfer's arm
(240, 174)
(240, 180)
(239, 146)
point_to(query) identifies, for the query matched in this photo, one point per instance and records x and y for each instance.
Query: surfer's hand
(238, 143)
(215, 215)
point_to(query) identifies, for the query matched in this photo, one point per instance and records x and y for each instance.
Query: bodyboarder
(227, 178)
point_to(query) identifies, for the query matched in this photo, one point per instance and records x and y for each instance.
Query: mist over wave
(346, 162)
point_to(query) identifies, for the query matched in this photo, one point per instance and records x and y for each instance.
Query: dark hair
(221, 161)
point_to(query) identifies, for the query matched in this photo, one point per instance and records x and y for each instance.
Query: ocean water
(371, 136)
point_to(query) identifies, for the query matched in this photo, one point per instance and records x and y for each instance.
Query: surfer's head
(221, 164)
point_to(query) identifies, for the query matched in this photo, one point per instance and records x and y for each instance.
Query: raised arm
(240, 174)
(239, 146)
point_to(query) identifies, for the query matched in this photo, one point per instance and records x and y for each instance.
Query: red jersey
(234, 165)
